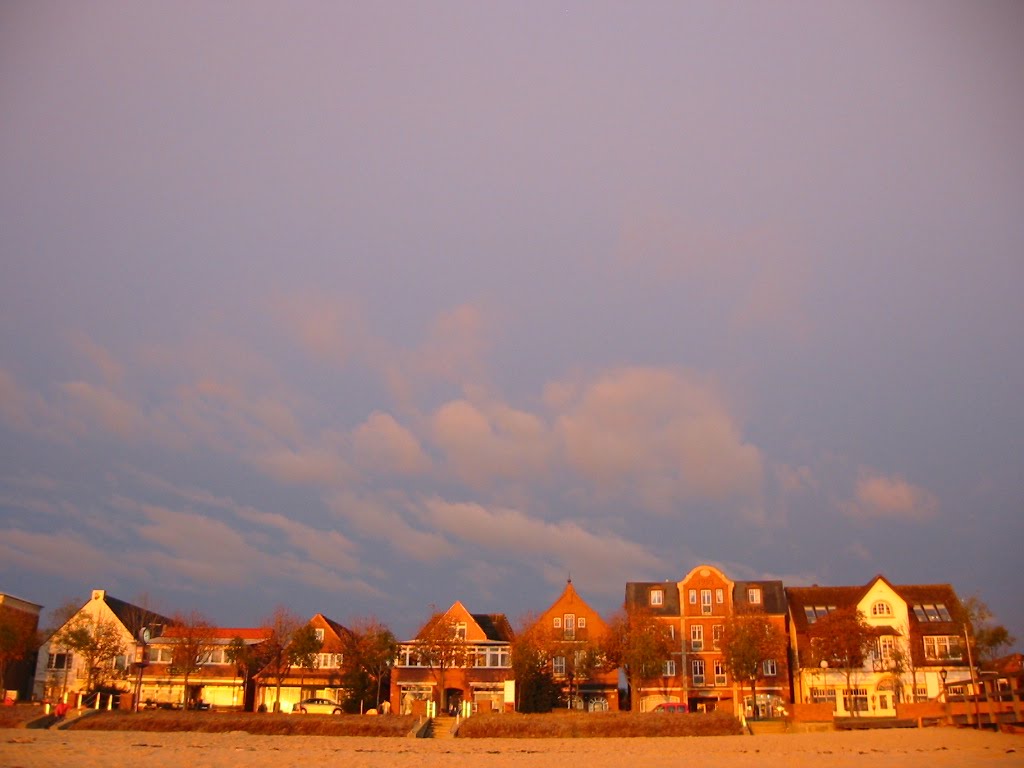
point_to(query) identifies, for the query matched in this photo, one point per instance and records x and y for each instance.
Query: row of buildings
(912, 623)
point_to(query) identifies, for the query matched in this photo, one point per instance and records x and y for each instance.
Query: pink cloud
(99, 357)
(328, 330)
(662, 435)
(491, 441)
(890, 497)
(309, 466)
(380, 517)
(381, 444)
(22, 409)
(103, 408)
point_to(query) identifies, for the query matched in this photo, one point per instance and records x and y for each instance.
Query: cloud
(380, 517)
(662, 436)
(601, 559)
(61, 553)
(381, 444)
(492, 441)
(100, 407)
(23, 410)
(795, 479)
(310, 466)
(99, 357)
(881, 497)
(328, 330)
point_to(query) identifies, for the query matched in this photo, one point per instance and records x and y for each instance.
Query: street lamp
(140, 662)
(945, 696)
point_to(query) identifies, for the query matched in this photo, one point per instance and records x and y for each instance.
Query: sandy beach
(934, 747)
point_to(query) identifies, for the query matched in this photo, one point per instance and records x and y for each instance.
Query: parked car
(672, 706)
(317, 707)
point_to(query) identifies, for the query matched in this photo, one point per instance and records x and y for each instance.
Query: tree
(17, 639)
(986, 638)
(439, 647)
(194, 640)
(280, 627)
(749, 640)
(248, 658)
(842, 638)
(303, 649)
(97, 642)
(531, 668)
(639, 644)
(370, 649)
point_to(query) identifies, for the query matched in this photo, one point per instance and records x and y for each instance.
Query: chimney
(99, 594)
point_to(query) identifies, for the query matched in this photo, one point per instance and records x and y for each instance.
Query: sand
(931, 747)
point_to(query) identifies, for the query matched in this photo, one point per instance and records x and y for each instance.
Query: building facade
(456, 658)
(20, 621)
(916, 641)
(573, 633)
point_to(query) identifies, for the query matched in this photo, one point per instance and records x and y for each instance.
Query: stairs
(761, 727)
(441, 727)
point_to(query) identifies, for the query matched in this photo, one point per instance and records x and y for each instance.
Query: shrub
(596, 725)
(261, 724)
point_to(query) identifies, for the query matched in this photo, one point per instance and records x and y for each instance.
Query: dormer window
(754, 595)
(881, 608)
(657, 596)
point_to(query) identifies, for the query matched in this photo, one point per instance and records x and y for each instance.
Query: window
(720, 672)
(815, 612)
(697, 671)
(716, 636)
(719, 595)
(558, 622)
(705, 601)
(569, 626)
(768, 668)
(942, 647)
(59, 661)
(855, 699)
(754, 595)
(881, 608)
(668, 668)
(886, 644)
(697, 637)
(319, 632)
(328, 661)
(657, 597)
(823, 696)
(460, 630)
(581, 622)
(693, 597)
(932, 612)
(215, 656)
(558, 665)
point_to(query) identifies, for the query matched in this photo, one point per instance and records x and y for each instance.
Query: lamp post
(140, 663)
(945, 696)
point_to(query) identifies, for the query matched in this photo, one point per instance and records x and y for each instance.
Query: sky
(363, 308)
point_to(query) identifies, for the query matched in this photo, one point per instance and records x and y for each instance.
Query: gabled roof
(850, 596)
(132, 616)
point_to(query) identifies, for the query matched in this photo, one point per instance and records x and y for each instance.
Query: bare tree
(986, 638)
(303, 649)
(280, 627)
(440, 648)
(749, 640)
(639, 644)
(97, 642)
(194, 640)
(842, 638)
(370, 651)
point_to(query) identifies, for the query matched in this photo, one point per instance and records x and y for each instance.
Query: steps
(761, 727)
(441, 727)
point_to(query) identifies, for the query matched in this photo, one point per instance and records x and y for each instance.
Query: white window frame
(705, 602)
(719, 595)
(720, 676)
(581, 622)
(769, 668)
(716, 635)
(696, 637)
(569, 626)
(319, 632)
(697, 671)
(881, 608)
(558, 666)
(657, 596)
(693, 596)
(557, 622)
(754, 595)
(668, 668)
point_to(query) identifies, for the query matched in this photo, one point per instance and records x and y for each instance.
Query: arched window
(881, 608)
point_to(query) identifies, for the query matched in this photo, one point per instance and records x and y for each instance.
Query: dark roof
(849, 596)
(132, 616)
(495, 626)
(638, 595)
(773, 595)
